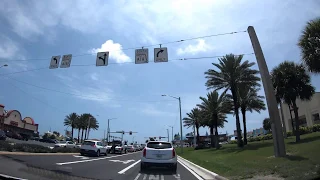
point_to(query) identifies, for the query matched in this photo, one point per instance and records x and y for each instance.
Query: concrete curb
(34, 154)
(204, 173)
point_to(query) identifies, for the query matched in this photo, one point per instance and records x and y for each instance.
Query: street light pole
(168, 135)
(171, 133)
(181, 139)
(108, 129)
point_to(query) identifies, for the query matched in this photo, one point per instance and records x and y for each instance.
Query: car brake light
(173, 153)
(144, 152)
(93, 145)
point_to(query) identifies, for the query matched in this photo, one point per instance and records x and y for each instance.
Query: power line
(124, 49)
(79, 95)
(43, 102)
(131, 62)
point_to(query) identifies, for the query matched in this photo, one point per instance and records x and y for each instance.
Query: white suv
(93, 147)
(159, 153)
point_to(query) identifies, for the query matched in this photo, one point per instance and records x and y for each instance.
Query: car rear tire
(98, 153)
(82, 154)
(174, 168)
(142, 167)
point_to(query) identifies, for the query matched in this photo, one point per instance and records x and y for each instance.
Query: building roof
(1, 105)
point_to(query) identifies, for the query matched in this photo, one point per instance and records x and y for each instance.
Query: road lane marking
(190, 170)
(145, 177)
(127, 168)
(82, 157)
(89, 160)
(177, 176)
(124, 162)
(137, 177)
(11, 177)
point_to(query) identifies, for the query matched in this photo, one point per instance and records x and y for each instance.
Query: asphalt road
(111, 167)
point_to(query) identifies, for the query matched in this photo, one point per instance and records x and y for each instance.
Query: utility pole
(181, 138)
(108, 129)
(171, 133)
(168, 135)
(278, 140)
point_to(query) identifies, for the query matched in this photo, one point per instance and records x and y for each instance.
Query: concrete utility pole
(171, 133)
(168, 135)
(278, 140)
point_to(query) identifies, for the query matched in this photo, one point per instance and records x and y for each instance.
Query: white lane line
(190, 170)
(127, 168)
(145, 177)
(89, 160)
(11, 177)
(137, 177)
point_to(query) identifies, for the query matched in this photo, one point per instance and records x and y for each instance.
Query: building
(12, 120)
(308, 112)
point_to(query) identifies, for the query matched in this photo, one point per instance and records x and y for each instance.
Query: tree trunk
(198, 137)
(243, 111)
(88, 134)
(236, 110)
(72, 133)
(293, 129)
(283, 122)
(211, 137)
(79, 135)
(82, 135)
(296, 119)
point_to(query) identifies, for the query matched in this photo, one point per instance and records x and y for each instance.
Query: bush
(289, 133)
(232, 142)
(316, 128)
(33, 148)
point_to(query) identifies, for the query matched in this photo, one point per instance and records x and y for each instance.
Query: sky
(33, 31)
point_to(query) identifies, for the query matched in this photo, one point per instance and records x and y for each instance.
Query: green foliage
(309, 44)
(302, 130)
(33, 148)
(266, 124)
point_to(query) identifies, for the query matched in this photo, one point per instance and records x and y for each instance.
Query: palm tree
(193, 120)
(249, 100)
(291, 81)
(309, 43)
(70, 121)
(215, 108)
(94, 125)
(266, 124)
(231, 73)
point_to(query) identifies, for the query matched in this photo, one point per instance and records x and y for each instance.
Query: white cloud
(200, 47)
(8, 49)
(94, 76)
(115, 51)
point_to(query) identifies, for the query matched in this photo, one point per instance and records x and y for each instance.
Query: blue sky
(130, 92)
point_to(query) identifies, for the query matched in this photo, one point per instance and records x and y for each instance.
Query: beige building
(308, 112)
(12, 121)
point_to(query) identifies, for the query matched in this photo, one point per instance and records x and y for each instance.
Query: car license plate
(159, 155)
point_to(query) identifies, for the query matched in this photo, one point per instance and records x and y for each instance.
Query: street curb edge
(193, 166)
(26, 153)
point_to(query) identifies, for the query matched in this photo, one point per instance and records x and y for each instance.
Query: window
(90, 143)
(316, 117)
(159, 145)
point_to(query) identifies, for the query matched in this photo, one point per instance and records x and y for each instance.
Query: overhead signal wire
(132, 48)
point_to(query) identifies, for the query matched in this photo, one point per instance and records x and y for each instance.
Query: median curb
(26, 153)
(202, 172)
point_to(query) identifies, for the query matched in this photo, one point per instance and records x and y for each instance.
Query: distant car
(65, 144)
(24, 136)
(3, 135)
(131, 148)
(159, 153)
(78, 145)
(118, 147)
(93, 147)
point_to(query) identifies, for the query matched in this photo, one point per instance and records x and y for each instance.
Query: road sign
(66, 61)
(102, 58)
(142, 56)
(54, 63)
(160, 54)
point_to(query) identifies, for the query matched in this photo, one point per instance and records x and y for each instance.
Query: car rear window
(90, 143)
(159, 145)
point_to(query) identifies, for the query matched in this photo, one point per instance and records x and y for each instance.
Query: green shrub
(316, 128)
(289, 133)
(32, 148)
(233, 142)
(5, 146)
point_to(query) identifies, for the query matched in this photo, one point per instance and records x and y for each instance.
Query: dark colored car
(25, 136)
(2, 135)
(13, 135)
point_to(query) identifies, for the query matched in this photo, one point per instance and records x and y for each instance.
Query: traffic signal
(130, 133)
